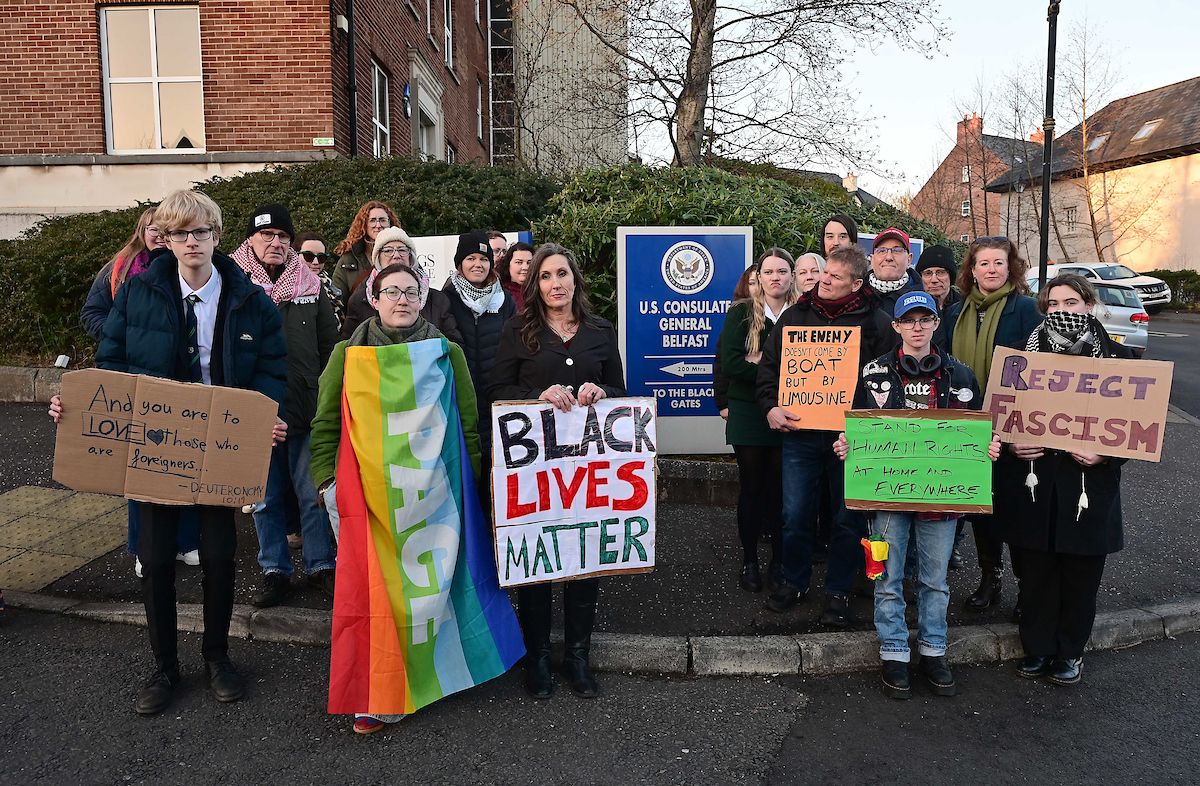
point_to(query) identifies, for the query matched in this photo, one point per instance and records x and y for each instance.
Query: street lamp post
(1047, 144)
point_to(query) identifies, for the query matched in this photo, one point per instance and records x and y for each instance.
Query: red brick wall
(274, 75)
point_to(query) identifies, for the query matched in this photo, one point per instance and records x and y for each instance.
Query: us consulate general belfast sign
(674, 287)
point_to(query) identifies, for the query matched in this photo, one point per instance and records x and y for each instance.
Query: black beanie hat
(846, 221)
(938, 256)
(271, 217)
(473, 243)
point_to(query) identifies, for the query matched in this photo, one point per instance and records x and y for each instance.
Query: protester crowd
(337, 339)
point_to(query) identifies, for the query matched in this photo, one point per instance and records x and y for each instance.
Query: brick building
(109, 103)
(955, 199)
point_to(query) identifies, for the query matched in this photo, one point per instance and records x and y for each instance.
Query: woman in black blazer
(557, 351)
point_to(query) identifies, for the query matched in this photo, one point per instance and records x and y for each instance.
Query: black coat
(592, 357)
(436, 312)
(1047, 521)
(885, 310)
(941, 336)
(956, 387)
(310, 330)
(1018, 319)
(480, 343)
(801, 314)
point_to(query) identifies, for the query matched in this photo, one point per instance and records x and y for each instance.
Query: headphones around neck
(923, 367)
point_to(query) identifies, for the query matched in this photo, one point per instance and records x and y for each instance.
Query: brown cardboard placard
(157, 440)
(818, 373)
(1108, 406)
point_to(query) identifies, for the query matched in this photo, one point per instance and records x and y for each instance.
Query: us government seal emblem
(687, 267)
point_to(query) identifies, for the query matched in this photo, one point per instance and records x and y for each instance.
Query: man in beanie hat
(310, 330)
(937, 270)
(480, 306)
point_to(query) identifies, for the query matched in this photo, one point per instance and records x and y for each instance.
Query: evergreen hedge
(1185, 288)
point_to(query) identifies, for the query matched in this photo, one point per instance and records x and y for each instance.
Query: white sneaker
(137, 567)
(189, 558)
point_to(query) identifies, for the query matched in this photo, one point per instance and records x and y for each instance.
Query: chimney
(1038, 137)
(850, 182)
(970, 127)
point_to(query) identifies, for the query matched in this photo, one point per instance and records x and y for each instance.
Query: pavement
(66, 716)
(689, 615)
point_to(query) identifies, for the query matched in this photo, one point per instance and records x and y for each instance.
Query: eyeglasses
(393, 252)
(385, 221)
(888, 252)
(269, 237)
(912, 323)
(181, 235)
(309, 256)
(154, 229)
(412, 294)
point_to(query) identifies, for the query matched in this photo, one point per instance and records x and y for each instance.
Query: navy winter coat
(1018, 319)
(480, 343)
(144, 333)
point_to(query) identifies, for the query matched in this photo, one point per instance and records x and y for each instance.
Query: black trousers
(989, 543)
(760, 500)
(1058, 601)
(156, 549)
(534, 604)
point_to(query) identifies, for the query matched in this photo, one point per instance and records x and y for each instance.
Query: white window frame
(966, 208)
(1146, 130)
(964, 238)
(154, 80)
(429, 21)
(426, 97)
(1097, 142)
(451, 154)
(448, 8)
(966, 173)
(479, 109)
(377, 127)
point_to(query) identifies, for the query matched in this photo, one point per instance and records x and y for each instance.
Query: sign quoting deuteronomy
(573, 493)
(919, 460)
(818, 372)
(1092, 405)
(156, 440)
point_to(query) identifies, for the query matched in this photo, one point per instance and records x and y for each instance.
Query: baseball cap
(891, 233)
(910, 300)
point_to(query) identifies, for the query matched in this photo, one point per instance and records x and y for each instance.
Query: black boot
(579, 599)
(988, 594)
(751, 577)
(533, 609)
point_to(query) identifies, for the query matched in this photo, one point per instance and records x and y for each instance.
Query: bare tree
(751, 78)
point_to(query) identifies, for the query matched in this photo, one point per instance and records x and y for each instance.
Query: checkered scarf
(297, 280)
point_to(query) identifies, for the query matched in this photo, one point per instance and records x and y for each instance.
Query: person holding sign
(418, 612)
(758, 448)
(556, 350)
(1060, 511)
(918, 376)
(235, 340)
(995, 309)
(840, 300)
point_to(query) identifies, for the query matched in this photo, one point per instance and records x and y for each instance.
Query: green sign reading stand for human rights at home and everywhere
(919, 460)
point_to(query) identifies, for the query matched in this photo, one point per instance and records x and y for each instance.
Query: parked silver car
(1154, 292)
(1121, 312)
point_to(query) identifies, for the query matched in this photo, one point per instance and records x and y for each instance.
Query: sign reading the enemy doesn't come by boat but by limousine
(674, 286)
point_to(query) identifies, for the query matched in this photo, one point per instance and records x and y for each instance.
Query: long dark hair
(533, 314)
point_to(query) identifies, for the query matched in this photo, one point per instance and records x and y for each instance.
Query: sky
(1153, 43)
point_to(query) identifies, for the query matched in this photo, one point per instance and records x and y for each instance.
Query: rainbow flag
(417, 612)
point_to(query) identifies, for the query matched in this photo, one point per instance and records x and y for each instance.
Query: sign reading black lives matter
(573, 493)
(156, 440)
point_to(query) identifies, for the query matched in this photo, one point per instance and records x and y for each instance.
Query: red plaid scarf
(297, 280)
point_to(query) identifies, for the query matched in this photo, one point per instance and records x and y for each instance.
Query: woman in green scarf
(995, 310)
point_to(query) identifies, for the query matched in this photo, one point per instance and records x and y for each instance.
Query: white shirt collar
(210, 290)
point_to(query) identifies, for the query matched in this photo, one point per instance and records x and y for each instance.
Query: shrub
(585, 215)
(47, 272)
(1185, 288)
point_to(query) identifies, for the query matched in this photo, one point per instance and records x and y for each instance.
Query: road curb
(809, 654)
(23, 384)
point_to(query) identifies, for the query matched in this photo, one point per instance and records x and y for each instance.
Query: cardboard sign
(818, 373)
(1092, 405)
(923, 460)
(573, 493)
(156, 440)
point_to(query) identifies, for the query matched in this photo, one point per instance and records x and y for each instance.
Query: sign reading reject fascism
(573, 492)
(1095, 405)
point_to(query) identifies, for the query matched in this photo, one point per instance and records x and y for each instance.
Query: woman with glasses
(311, 248)
(355, 251)
(995, 310)
(759, 449)
(559, 352)
(393, 246)
(132, 260)
(1061, 528)
(419, 613)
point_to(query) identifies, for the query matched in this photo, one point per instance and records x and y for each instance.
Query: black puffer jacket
(480, 342)
(310, 330)
(881, 384)
(436, 312)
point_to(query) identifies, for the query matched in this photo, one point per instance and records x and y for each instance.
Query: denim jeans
(935, 542)
(807, 456)
(289, 468)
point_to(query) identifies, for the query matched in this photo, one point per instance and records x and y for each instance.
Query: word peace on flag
(573, 493)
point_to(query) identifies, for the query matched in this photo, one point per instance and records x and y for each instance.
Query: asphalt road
(1176, 339)
(68, 685)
